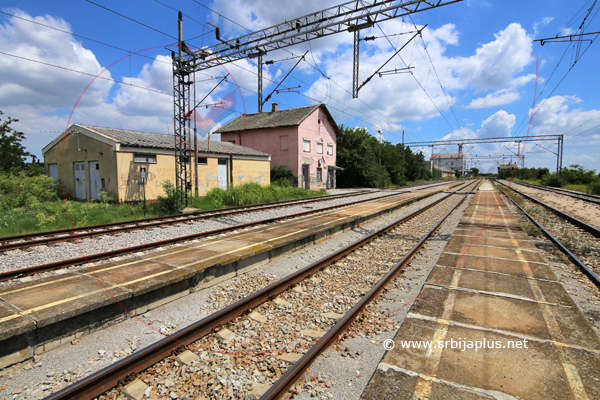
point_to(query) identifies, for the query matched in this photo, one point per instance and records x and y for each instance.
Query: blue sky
(473, 72)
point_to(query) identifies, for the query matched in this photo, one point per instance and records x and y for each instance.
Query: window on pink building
(329, 149)
(306, 145)
(319, 147)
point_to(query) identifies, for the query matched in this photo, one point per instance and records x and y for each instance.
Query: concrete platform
(491, 288)
(42, 314)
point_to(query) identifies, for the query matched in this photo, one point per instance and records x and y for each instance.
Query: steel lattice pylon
(182, 84)
(351, 16)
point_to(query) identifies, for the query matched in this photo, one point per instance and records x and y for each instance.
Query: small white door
(79, 168)
(222, 174)
(95, 183)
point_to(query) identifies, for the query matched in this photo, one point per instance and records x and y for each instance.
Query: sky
(473, 72)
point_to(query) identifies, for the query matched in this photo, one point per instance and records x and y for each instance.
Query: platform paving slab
(539, 344)
(65, 304)
(486, 264)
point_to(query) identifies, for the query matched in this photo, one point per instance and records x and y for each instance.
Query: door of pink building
(305, 176)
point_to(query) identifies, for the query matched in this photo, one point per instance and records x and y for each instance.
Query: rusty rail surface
(4, 276)
(107, 378)
(592, 198)
(580, 264)
(583, 225)
(62, 235)
(281, 386)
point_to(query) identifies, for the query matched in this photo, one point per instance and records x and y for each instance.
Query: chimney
(273, 107)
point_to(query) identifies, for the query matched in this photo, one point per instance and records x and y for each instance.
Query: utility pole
(402, 144)
(350, 16)
(260, 83)
(431, 161)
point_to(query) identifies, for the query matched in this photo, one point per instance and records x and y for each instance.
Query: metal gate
(95, 183)
(222, 174)
(79, 168)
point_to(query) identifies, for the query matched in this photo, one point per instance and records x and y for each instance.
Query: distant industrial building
(92, 159)
(303, 139)
(512, 167)
(452, 161)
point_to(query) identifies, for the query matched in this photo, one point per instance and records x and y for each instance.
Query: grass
(578, 188)
(252, 193)
(56, 215)
(52, 215)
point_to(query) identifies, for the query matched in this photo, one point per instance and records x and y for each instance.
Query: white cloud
(35, 84)
(495, 64)
(495, 99)
(539, 25)
(554, 117)
(497, 125)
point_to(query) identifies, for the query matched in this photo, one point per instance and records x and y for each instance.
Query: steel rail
(107, 378)
(592, 198)
(4, 276)
(281, 386)
(62, 235)
(583, 225)
(49, 237)
(586, 270)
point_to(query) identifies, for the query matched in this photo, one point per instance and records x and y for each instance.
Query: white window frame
(329, 149)
(319, 147)
(144, 158)
(306, 145)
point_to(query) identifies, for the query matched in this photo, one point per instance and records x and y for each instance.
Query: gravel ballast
(64, 365)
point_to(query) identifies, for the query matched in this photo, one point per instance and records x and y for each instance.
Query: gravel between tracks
(580, 209)
(581, 243)
(38, 255)
(251, 352)
(583, 291)
(57, 368)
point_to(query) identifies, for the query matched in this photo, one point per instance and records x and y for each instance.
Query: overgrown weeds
(252, 193)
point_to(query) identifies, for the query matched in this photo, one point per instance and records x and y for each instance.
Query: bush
(171, 202)
(253, 193)
(553, 180)
(282, 183)
(595, 188)
(20, 190)
(281, 172)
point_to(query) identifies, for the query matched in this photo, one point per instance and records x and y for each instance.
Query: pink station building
(303, 139)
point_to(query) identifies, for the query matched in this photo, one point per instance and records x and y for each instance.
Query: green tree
(475, 171)
(356, 154)
(12, 152)
(458, 173)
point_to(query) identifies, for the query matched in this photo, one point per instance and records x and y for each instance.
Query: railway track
(592, 198)
(287, 323)
(64, 235)
(581, 241)
(577, 222)
(50, 237)
(15, 273)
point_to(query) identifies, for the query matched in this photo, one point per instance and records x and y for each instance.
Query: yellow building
(92, 159)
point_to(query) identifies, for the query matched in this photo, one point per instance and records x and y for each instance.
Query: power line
(85, 73)
(131, 19)
(94, 40)
(314, 66)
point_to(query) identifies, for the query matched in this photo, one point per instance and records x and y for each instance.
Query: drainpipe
(231, 169)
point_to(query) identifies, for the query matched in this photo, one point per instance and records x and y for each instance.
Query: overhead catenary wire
(314, 66)
(136, 53)
(86, 73)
